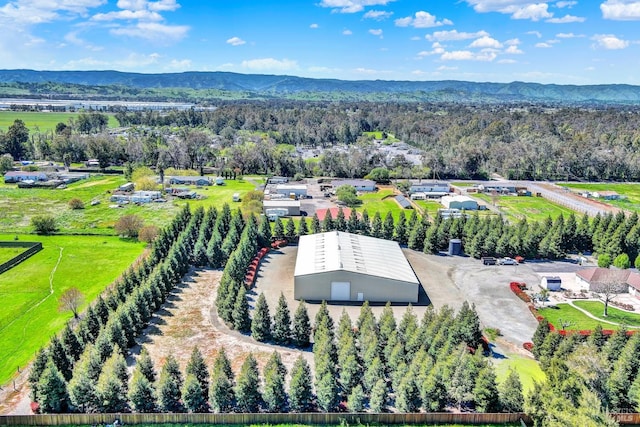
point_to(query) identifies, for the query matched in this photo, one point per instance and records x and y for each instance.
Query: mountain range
(292, 87)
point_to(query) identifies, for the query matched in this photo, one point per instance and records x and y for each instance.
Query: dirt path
(585, 312)
(189, 318)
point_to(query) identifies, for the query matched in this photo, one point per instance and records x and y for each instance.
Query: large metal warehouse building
(337, 266)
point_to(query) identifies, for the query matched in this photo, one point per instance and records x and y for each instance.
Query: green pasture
(631, 191)
(41, 121)
(563, 312)
(7, 253)
(382, 201)
(378, 135)
(24, 203)
(596, 308)
(30, 315)
(531, 208)
(528, 369)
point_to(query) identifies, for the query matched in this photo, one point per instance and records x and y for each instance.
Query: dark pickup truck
(489, 260)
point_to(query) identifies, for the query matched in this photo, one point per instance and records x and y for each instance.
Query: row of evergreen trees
(66, 374)
(586, 376)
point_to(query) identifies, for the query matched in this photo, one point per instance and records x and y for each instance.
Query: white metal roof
(291, 187)
(335, 251)
(281, 202)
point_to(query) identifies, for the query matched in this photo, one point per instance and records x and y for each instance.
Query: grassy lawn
(381, 201)
(41, 121)
(631, 191)
(7, 253)
(566, 313)
(528, 369)
(218, 195)
(622, 317)
(29, 315)
(532, 208)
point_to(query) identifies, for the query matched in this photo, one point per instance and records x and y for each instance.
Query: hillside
(197, 86)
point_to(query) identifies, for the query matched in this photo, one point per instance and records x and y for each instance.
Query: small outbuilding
(551, 283)
(291, 206)
(403, 202)
(338, 266)
(190, 180)
(298, 190)
(19, 176)
(459, 202)
(358, 184)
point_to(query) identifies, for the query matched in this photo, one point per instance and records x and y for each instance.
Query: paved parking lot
(445, 281)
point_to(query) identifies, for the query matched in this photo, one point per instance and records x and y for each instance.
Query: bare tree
(71, 300)
(610, 285)
(129, 225)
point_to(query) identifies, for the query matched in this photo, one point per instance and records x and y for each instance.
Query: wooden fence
(246, 419)
(32, 248)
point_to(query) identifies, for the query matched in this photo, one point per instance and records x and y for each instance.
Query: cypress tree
(376, 226)
(365, 223)
(142, 393)
(387, 227)
(510, 393)
(400, 230)
(197, 367)
(282, 322)
(247, 392)
(275, 397)
(379, 396)
(241, 318)
(59, 357)
(290, 229)
(101, 310)
(82, 387)
(303, 228)
(327, 222)
(169, 386)
(301, 330)
(355, 401)
(300, 391)
(145, 366)
(221, 394)
(340, 223)
(278, 229)
(52, 390)
(194, 395)
(112, 386)
(407, 395)
(353, 223)
(315, 225)
(261, 322)
(264, 232)
(542, 330)
(37, 368)
(215, 256)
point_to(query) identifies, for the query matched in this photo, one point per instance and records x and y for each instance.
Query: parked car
(507, 261)
(489, 260)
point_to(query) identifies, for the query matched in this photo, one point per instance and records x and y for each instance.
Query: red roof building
(322, 213)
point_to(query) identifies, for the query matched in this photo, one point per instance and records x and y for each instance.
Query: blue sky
(563, 41)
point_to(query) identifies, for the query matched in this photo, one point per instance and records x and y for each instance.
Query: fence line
(33, 248)
(264, 418)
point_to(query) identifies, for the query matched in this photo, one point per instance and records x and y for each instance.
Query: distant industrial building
(459, 202)
(291, 206)
(278, 180)
(338, 266)
(430, 189)
(297, 190)
(19, 176)
(358, 184)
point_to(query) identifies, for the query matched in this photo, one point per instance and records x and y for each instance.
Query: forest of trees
(456, 140)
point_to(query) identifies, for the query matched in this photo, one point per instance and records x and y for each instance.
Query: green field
(381, 201)
(631, 191)
(29, 315)
(578, 320)
(528, 369)
(41, 121)
(531, 208)
(24, 203)
(596, 308)
(7, 253)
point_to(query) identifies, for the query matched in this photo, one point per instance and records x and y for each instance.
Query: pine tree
(353, 223)
(300, 392)
(240, 314)
(539, 336)
(60, 358)
(400, 231)
(194, 395)
(301, 330)
(82, 387)
(264, 232)
(221, 394)
(37, 368)
(247, 392)
(379, 396)
(290, 229)
(373, 372)
(365, 223)
(315, 225)
(261, 322)
(485, 391)
(169, 386)
(278, 229)
(326, 392)
(355, 401)
(408, 395)
(340, 223)
(112, 386)
(52, 390)
(510, 393)
(71, 344)
(387, 227)
(597, 337)
(275, 397)
(145, 366)
(142, 392)
(196, 366)
(327, 222)
(282, 322)
(303, 228)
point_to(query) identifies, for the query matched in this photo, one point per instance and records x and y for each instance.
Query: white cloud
(314, 26)
(73, 38)
(153, 31)
(454, 35)
(513, 50)
(265, 64)
(543, 45)
(378, 15)
(347, 32)
(486, 41)
(563, 4)
(235, 41)
(182, 64)
(445, 68)
(566, 19)
(143, 15)
(621, 10)
(436, 49)
(538, 34)
(507, 61)
(568, 35)
(609, 41)
(32, 12)
(376, 32)
(467, 55)
(518, 9)
(352, 6)
(421, 19)
(158, 6)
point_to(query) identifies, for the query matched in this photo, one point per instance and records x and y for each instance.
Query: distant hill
(291, 87)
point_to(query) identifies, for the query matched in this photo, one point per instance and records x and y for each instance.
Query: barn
(338, 266)
(459, 202)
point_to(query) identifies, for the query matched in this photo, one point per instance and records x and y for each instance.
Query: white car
(507, 261)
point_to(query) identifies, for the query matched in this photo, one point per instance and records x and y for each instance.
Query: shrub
(622, 261)
(76, 204)
(146, 183)
(604, 261)
(528, 346)
(516, 288)
(129, 225)
(44, 224)
(148, 233)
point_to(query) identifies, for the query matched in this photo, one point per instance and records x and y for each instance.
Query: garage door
(340, 291)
